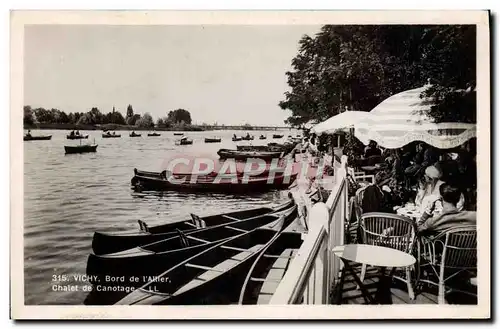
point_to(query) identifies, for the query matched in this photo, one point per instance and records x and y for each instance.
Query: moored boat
(244, 155)
(109, 135)
(269, 267)
(210, 277)
(111, 242)
(154, 258)
(223, 183)
(37, 138)
(80, 149)
(212, 140)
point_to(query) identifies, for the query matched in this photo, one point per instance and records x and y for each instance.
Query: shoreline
(68, 126)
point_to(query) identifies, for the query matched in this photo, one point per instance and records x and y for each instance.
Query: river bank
(69, 126)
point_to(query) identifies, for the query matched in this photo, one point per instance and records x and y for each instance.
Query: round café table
(380, 257)
(409, 213)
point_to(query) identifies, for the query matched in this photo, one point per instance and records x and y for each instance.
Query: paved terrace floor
(399, 294)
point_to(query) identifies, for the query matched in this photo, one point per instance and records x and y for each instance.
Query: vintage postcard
(250, 165)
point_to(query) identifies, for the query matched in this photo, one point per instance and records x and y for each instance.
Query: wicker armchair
(391, 231)
(448, 254)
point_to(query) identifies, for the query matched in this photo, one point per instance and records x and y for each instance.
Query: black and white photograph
(321, 162)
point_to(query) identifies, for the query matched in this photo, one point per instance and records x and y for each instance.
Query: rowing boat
(210, 277)
(153, 258)
(154, 135)
(244, 155)
(134, 135)
(80, 149)
(269, 268)
(224, 183)
(111, 136)
(37, 138)
(278, 136)
(212, 140)
(77, 136)
(111, 242)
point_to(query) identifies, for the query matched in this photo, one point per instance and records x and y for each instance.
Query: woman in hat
(428, 199)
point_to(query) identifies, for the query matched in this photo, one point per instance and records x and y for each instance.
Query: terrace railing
(315, 270)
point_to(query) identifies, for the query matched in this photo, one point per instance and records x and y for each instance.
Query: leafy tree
(130, 111)
(179, 116)
(29, 118)
(43, 116)
(131, 121)
(357, 67)
(145, 121)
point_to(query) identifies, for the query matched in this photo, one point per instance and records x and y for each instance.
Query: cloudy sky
(224, 74)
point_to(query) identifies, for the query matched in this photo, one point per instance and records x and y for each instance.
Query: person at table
(451, 216)
(372, 150)
(428, 194)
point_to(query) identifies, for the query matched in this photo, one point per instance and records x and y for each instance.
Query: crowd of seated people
(419, 174)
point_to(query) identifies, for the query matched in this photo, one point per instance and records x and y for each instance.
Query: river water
(68, 197)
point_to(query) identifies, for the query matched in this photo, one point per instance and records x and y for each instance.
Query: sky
(224, 74)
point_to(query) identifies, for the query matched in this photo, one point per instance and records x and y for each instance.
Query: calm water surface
(68, 197)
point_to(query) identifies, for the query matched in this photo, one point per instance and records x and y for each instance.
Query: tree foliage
(347, 67)
(179, 116)
(146, 121)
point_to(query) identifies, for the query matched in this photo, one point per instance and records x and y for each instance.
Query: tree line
(96, 117)
(346, 67)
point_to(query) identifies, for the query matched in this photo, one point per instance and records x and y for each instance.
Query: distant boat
(37, 138)
(154, 134)
(178, 134)
(108, 135)
(278, 136)
(247, 138)
(236, 139)
(212, 140)
(184, 141)
(262, 137)
(80, 149)
(77, 136)
(133, 134)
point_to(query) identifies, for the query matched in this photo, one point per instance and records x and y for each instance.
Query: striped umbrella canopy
(348, 119)
(404, 118)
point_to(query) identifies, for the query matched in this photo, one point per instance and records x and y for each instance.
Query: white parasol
(404, 118)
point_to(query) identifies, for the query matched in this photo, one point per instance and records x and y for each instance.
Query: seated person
(28, 134)
(72, 133)
(428, 194)
(372, 150)
(450, 215)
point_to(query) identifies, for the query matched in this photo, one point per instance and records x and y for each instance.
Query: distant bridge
(226, 127)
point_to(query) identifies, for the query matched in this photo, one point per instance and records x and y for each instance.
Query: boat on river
(270, 267)
(80, 149)
(37, 138)
(133, 134)
(154, 134)
(219, 183)
(244, 155)
(178, 134)
(109, 135)
(213, 140)
(261, 137)
(276, 136)
(154, 258)
(77, 136)
(214, 276)
(111, 242)
(184, 141)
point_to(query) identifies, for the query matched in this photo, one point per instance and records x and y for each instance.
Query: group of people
(440, 184)
(73, 133)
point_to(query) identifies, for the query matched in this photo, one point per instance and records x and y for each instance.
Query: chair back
(459, 247)
(388, 230)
